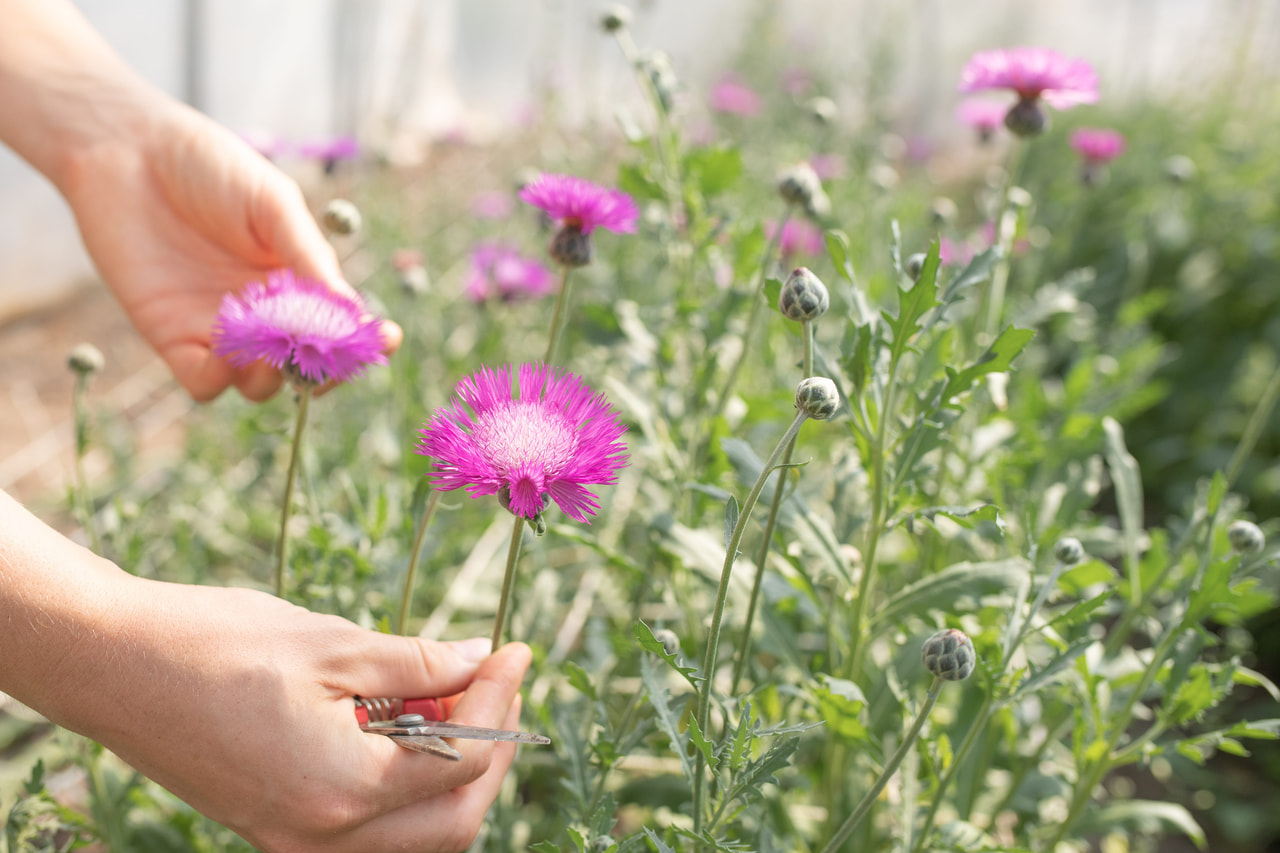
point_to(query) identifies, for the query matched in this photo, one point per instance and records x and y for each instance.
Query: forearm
(64, 614)
(64, 91)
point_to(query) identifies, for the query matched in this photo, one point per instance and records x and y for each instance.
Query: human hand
(179, 213)
(241, 704)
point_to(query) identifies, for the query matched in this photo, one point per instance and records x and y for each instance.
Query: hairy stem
(291, 478)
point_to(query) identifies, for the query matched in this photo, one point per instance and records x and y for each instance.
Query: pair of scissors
(415, 724)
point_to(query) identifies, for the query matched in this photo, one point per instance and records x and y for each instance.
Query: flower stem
(508, 581)
(557, 315)
(869, 798)
(282, 544)
(1253, 429)
(1006, 225)
(722, 594)
(419, 536)
(740, 666)
(84, 506)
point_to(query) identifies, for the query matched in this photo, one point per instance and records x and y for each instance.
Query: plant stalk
(508, 581)
(282, 543)
(419, 537)
(557, 315)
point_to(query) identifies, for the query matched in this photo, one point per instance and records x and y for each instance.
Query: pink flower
(953, 252)
(733, 96)
(298, 326)
(499, 271)
(266, 143)
(1032, 72)
(330, 150)
(1097, 145)
(492, 205)
(551, 437)
(580, 203)
(798, 237)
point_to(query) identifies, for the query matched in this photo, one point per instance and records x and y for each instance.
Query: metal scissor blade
(442, 729)
(430, 745)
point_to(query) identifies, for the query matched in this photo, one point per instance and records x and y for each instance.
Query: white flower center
(301, 313)
(519, 434)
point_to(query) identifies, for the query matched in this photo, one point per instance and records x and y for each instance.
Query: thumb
(411, 667)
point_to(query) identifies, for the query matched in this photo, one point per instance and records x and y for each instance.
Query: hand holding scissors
(416, 725)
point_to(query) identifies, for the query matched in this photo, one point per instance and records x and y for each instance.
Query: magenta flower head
(300, 327)
(500, 272)
(798, 237)
(1033, 74)
(985, 117)
(549, 437)
(1097, 145)
(330, 152)
(734, 97)
(580, 207)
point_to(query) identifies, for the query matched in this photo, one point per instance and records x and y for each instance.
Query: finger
(258, 381)
(291, 232)
(410, 667)
(448, 821)
(410, 776)
(202, 373)
(392, 336)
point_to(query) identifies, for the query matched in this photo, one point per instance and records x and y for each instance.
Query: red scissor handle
(429, 708)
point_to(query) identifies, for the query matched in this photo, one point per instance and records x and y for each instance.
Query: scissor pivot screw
(411, 720)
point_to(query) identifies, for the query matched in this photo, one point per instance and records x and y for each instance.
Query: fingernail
(474, 650)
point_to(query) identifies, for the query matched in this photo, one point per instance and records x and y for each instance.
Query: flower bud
(85, 359)
(615, 18)
(822, 109)
(799, 185)
(570, 247)
(414, 280)
(1068, 550)
(669, 639)
(341, 217)
(943, 211)
(657, 66)
(914, 265)
(1026, 118)
(949, 655)
(1179, 169)
(803, 296)
(817, 397)
(1245, 537)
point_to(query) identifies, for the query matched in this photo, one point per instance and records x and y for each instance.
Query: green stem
(868, 799)
(557, 316)
(282, 543)
(740, 666)
(84, 505)
(722, 594)
(419, 536)
(508, 581)
(1006, 226)
(971, 737)
(1253, 429)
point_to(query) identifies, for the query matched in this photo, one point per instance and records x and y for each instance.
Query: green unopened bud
(85, 359)
(949, 655)
(570, 247)
(1245, 537)
(799, 184)
(341, 217)
(822, 109)
(1026, 118)
(616, 18)
(803, 296)
(817, 397)
(1179, 168)
(943, 211)
(1068, 551)
(914, 265)
(669, 639)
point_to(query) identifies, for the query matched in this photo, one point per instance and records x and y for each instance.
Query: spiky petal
(1032, 72)
(578, 202)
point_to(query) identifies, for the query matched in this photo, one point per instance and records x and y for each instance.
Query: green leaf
(838, 250)
(945, 589)
(1127, 482)
(730, 521)
(742, 738)
(577, 839)
(657, 842)
(1054, 668)
(1217, 491)
(1079, 578)
(580, 680)
(1146, 816)
(644, 635)
(1079, 612)
(772, 288)
(714, 169)
(706, 747)
(1253, 678)
(997, 359)
(841, 703)
(978, 271)
(966, 517)
(667, 720)
(1194, 696)
(634, 179)
(913, 304)
(545, 847)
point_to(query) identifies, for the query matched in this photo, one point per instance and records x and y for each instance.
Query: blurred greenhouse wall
(399, 73)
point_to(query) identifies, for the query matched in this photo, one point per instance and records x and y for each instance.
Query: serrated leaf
(1079, 612)
(913, 304)
(706, 747)
(978, 270)
(1127, 482)
(644, 635)
(997, 359)
(946, 588)
(1145, 815)
(668, 722)
(741, 739)
(730, 521)
(714, 169)
(658, 843)
(966, 517)
(841, 703)
(761, 771)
